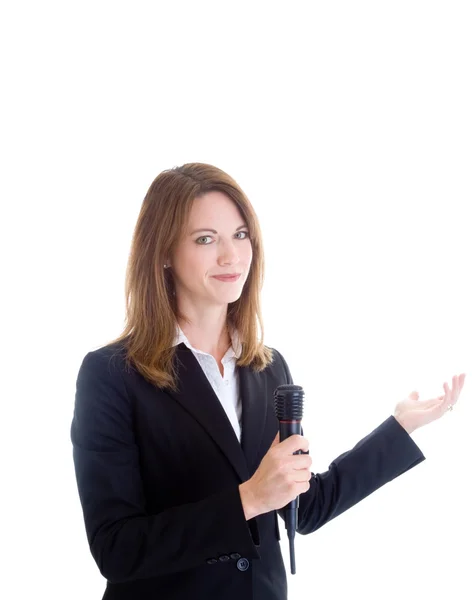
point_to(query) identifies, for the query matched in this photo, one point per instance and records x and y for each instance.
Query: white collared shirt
(227, 387)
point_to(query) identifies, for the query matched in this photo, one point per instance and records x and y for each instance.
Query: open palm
(412, 412)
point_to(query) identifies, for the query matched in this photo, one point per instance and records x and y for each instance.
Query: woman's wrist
(247, 500)
(401, 420)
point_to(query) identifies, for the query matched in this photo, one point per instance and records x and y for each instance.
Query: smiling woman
(198, 264)
(180, 469)
(196, 228)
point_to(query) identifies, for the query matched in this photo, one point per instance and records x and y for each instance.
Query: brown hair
(151, 307)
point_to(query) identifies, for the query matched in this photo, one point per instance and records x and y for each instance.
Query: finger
(455, 392)
(457, 386)
(296, 442)
(276, 440)
(461, 383)
(301, 475)
(301, 461)
(440, 404)
(447, 398)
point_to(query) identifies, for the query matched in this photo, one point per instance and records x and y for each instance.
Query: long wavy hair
(151, 308)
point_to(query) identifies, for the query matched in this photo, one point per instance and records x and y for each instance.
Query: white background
(351, 126)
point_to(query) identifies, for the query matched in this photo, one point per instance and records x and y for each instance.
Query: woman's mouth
(229, 278)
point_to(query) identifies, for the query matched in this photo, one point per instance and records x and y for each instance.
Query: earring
(165, 266)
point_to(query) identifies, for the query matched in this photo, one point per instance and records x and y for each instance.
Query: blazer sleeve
(384, 454)
(126, 542)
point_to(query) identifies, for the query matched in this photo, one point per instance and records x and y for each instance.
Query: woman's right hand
(280, 477)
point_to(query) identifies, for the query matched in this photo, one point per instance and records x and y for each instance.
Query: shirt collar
(233, 352)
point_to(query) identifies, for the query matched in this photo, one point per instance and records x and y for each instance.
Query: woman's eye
(246, 234)
(203, 237)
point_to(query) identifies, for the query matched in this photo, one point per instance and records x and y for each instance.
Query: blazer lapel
(254, 393)
(198, 397)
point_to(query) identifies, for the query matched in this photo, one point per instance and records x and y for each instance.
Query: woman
(180, 471)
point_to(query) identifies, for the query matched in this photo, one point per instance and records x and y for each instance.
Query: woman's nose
(229, 254)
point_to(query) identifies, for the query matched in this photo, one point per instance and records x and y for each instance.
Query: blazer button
(242, 564)
(212, 561)
(235, 555)
(224, 558)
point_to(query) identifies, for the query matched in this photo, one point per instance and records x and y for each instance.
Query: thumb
(414, 395)
(276, 440)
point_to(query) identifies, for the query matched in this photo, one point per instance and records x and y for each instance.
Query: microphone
(288, 404)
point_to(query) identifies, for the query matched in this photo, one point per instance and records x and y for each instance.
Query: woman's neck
(213, 339)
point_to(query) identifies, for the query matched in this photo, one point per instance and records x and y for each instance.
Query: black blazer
(158, 475)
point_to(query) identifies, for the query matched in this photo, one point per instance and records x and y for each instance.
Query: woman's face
(216, 242)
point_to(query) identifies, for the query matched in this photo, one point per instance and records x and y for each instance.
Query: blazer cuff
(254, 531)
(410, 452)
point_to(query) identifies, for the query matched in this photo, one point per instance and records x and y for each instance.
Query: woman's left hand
(412, 413)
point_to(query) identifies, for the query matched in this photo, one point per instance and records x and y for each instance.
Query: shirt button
(226, 381)
(235, 555)
(224, 558)
(242, 564)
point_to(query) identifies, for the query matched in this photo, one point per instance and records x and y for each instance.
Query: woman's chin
(228, 297)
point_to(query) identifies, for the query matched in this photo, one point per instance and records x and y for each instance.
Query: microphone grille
(288, 402)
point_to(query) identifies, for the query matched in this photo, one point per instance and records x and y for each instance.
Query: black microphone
(288, 404)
